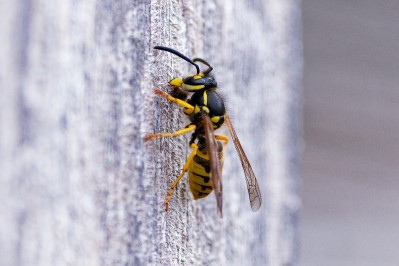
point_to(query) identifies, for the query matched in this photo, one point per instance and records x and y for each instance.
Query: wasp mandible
(207, 112)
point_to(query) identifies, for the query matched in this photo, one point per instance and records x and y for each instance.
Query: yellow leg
(185, 169)
(225, 138)
(174, 134)
(178, 101)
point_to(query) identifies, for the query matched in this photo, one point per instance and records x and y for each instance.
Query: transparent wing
(252, 184)
(216, 169)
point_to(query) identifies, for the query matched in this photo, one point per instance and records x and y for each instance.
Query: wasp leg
(188, 106)
(185, 169)
(225, 138)
(174, 134)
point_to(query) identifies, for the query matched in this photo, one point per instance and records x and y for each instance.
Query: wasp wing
(216, 169)
(252, 184)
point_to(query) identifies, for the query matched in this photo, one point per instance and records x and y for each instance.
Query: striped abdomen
(200, 171)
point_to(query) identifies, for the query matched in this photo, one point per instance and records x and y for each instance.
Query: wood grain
(79, 185)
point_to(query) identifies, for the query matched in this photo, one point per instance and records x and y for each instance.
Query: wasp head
(198, 82)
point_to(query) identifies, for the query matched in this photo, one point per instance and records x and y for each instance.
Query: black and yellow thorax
(211, 102)
(204, 96)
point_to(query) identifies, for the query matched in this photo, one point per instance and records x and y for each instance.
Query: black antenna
(170, 50)
(206, 72)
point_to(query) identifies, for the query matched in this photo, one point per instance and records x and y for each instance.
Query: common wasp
(207, 112)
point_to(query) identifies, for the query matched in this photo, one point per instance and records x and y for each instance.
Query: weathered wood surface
(79, 186)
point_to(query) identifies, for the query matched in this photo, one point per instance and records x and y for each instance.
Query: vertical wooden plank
(80, 186)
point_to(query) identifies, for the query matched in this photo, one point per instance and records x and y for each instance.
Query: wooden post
(79, 185)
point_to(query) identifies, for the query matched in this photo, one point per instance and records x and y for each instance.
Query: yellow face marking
(176, 82)
(205, 98)
(206, 109)
(198, 76)
(192, 87)
(215, 119)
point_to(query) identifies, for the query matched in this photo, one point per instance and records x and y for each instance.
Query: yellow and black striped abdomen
(200, 173)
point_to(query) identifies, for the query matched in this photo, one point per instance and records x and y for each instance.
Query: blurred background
(350, 192)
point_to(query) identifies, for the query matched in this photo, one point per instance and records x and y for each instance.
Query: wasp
(207, 112)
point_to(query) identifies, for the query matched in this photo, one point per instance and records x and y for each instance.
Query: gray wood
(79, 185)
